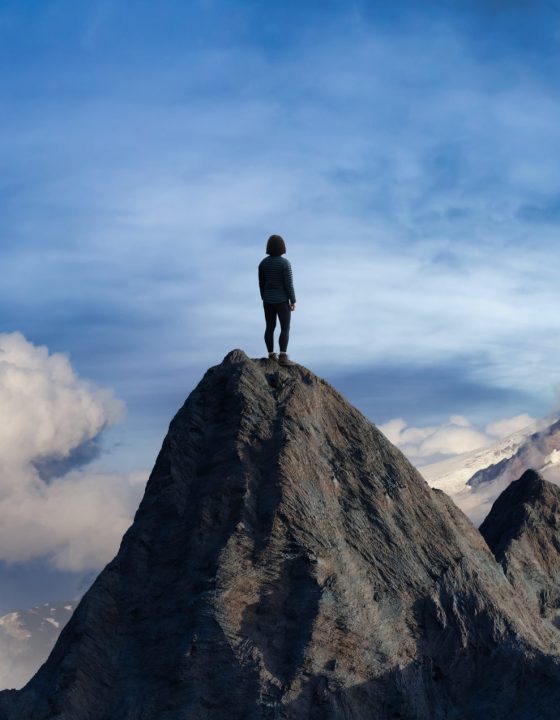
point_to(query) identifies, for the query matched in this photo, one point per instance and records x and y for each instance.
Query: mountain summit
(523, 531)
(287, 561)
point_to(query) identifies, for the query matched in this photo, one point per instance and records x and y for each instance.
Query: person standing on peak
(278, 296)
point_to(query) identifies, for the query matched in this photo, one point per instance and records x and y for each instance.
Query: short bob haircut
(275, 245)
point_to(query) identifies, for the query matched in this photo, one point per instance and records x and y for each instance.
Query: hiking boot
(283, 359)
(273, 356)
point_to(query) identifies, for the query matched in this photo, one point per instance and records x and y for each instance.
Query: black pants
(271, 310)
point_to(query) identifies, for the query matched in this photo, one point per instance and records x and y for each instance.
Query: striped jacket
(275, 280)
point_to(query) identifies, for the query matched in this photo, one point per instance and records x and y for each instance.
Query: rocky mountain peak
(515, 507)
(529, 485)
(523, 531)
(287, 561)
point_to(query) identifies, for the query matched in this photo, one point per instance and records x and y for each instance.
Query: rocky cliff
(523, 531)
(287, 561)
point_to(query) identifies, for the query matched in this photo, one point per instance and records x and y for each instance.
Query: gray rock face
(287, 561)
(523, 532)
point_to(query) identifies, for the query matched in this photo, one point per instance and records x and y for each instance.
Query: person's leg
(270, 317)
(284, 315)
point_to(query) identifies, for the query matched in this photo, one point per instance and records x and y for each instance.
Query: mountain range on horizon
(287, 561)
(27, 637)
(475, 479)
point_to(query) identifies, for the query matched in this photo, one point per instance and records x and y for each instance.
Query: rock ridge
(523, 531)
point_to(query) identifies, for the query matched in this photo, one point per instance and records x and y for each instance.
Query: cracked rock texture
(523, 531)
(287, 561)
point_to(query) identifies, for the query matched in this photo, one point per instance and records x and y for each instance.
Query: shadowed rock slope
(287, 561)
(523, 531)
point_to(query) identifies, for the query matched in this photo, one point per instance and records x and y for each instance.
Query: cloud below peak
(429, 444)
(47, 415)
(48, 411)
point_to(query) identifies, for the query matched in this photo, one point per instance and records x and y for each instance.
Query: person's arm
(289, 282)
(261, 280)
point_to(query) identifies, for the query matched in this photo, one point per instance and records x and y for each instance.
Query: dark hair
(275, 245)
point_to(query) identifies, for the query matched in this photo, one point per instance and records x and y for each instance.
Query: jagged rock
(287, 561)
(523, 531)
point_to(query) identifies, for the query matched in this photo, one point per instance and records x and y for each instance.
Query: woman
(278, 296)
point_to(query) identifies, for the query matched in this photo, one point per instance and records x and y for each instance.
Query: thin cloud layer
(47, 413)
(409, 171)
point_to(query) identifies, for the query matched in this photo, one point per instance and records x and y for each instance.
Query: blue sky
(406, 151)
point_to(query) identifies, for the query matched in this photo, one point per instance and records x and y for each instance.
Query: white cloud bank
(46, 413)
(425, 445)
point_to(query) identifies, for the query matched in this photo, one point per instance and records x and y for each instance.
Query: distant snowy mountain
(453, 474)
(475, 479)
(26, 639)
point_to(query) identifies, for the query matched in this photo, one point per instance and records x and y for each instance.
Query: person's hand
(292, 307)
